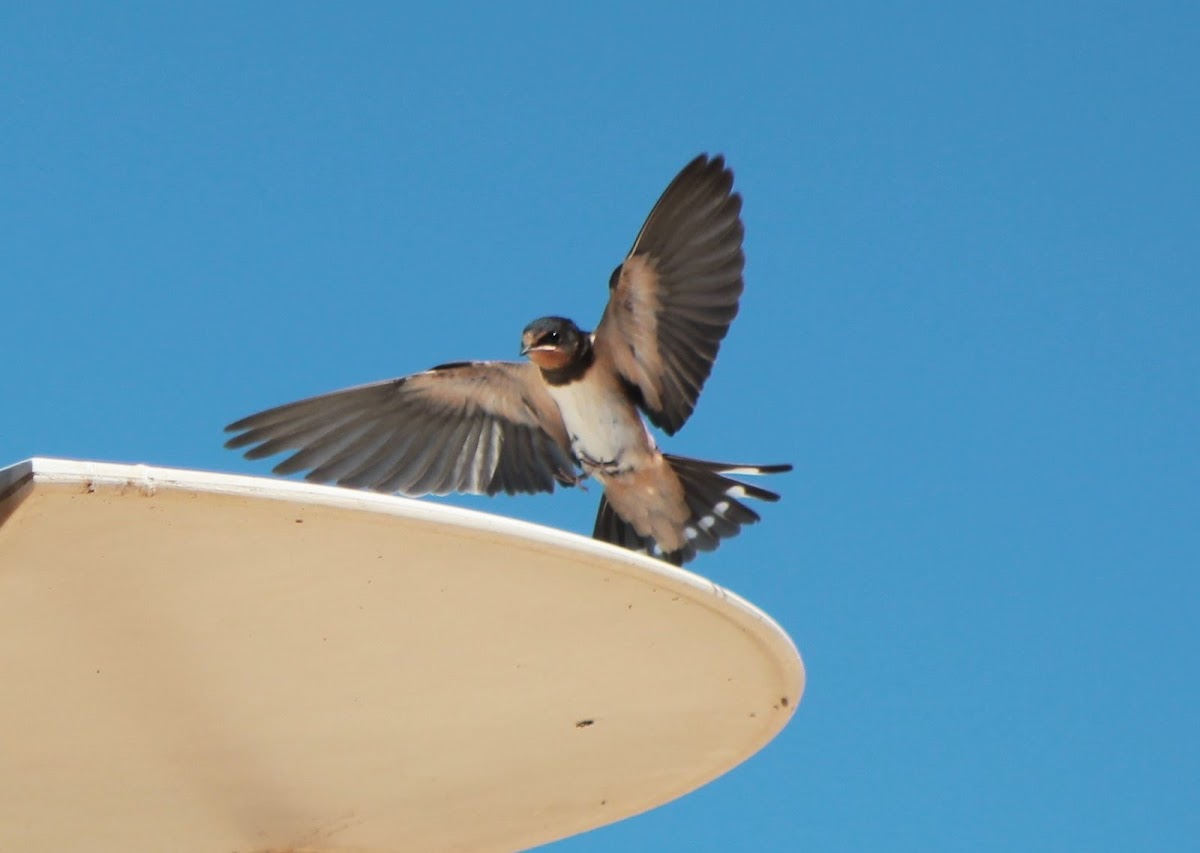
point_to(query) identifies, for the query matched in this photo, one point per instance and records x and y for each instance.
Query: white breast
(602, 423)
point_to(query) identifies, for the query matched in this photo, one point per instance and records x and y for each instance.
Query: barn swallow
(572, 410)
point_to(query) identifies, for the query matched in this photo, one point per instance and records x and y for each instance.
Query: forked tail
(714, 502)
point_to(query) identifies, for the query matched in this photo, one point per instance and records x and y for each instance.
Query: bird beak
(525, 348)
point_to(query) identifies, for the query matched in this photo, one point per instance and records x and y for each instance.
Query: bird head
(551, 342)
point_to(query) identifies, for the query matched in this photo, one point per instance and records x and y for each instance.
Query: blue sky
(970, 320)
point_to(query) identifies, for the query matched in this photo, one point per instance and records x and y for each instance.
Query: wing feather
(677, 292)
(477, 427)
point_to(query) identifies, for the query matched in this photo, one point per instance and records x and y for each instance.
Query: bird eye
(552, 337)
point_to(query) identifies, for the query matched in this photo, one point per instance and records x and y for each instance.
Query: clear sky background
(971, 317)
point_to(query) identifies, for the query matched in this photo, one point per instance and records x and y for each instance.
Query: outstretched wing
(673, 298)
(482, 427)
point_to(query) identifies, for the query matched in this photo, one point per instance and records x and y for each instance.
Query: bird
(574, 409)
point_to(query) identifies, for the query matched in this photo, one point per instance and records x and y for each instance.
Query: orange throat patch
(549, 359)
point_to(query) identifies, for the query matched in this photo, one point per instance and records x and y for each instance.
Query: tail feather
(713, 501)
(610, 527)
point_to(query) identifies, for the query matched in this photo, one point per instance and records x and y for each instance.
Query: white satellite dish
(203, 662)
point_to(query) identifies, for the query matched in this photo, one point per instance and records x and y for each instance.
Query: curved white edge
(14, 474)
(148, 478)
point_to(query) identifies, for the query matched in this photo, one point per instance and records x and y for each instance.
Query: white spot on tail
(753, 470)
